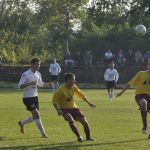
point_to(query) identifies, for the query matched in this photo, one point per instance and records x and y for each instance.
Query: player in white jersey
(111, 77)
(30, 81)
(54, 70)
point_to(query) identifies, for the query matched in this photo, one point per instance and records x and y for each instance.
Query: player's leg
(85, 124)
(27, 102)
(38, 122)
(143, 106)
(73, 127)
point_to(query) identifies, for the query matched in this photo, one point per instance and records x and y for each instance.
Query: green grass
(115, 125)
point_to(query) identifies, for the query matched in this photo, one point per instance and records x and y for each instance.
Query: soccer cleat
(21, 127)
(149, 136)
(144, 130)
(80, 139)
(90, 139)
(44, 136)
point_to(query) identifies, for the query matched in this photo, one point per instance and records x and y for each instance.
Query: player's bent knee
(143, 104)
(69, 118)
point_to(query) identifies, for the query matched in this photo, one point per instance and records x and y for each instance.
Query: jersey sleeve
(105, 75)
(40, 83)
(116, 76)
(22, 80)
(135, 80)
(78, 92)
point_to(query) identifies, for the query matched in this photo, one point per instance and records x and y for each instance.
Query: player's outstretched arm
(123, 90)
(89, 103)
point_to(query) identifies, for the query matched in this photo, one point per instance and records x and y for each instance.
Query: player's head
(111, 64)
(69, 79)
(53, 60)
(35, 64)
(148, 64)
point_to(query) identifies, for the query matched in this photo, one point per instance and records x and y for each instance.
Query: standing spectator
(68, 60)
(130, 56)
(120, 58)
(30, 81)
(138, 57)
(108, 57)
(88, 58)
(146, 56)
(54, 70)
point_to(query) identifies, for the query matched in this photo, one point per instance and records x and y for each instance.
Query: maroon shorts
(143, 96)
(75, 113)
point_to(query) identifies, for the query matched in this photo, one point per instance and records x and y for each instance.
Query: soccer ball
(140, 30)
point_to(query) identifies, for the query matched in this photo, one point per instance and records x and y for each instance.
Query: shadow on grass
(68, 145)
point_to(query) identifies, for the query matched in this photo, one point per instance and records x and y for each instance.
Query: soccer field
(115, 125)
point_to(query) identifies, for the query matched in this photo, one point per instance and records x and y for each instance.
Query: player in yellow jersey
(64, 103)
(142, 93)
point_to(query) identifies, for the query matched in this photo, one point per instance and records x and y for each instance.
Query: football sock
(87, 131)
(144, 117)
(40, 126)
(74, 129)
(28, 120)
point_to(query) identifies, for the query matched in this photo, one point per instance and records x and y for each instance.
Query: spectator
(138, 57)
(120, 58)
(78, 59)
(88, 58)
(108, 57)
(68, 60)
(147, 56)
(130, 56)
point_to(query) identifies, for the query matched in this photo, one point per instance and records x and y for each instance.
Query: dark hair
(68, 76)
(34, 60)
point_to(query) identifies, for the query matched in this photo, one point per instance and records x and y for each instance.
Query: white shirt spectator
(54, 69)
(27, 77)
(108, 55)
(111, 75)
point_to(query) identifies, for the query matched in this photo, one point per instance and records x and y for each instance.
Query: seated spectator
(78, 59)
(108, 57)
(88, 58)
(130, 56)
(68, 59)
(121, 58)
(138, 57)
(146, 56)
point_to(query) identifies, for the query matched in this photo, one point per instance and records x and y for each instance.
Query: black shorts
(75, 113)
(31, 103)
(143, 96)
(110, 84)
(54, 77)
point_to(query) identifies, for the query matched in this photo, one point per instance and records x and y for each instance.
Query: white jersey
(27, 77)
(54, 69)
(111, 75)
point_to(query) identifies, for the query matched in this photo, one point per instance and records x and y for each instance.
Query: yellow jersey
(64, 97)
(142, 82)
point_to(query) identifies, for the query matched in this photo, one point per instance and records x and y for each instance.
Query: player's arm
(133, 82)
(55, 100)
(123, 90)
(116, 76)
(89, 103)
(23, 82)
(81, 95)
